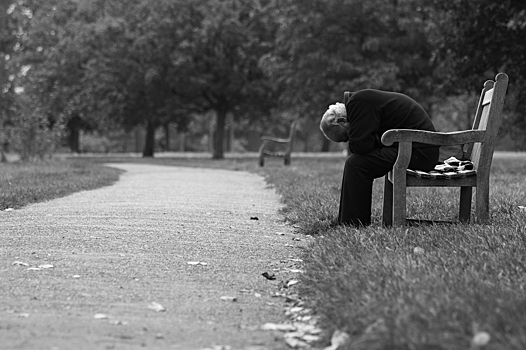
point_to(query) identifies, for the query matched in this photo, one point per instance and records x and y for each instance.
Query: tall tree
(105, 63)
(137, 62)
(327, 46)
(21, 115)
(8, 26)
(218, 62)
(45, 75)
(477, 39)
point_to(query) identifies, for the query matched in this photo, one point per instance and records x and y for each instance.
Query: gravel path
(118, 250)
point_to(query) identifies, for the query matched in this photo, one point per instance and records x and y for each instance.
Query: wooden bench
(481, 141)
(268, 144)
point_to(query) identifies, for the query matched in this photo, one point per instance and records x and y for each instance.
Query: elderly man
(361, 122)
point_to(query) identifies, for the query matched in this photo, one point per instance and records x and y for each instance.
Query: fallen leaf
(269, 276)
(46, 266)
(156, 307)
(100, 316)
(305, 318)
(296, 309)
(20, 263)
(228, 298)
(293, 334)
(292, 282)
(284, 327)
(296, 343)
(418, 251)
(481, 339)
(118, 322)
(218, 347)
(309, 338)
(8, 209)
(377, 326)
(338, 339)
(308, 328)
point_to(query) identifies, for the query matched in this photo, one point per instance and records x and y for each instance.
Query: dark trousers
(361, 170)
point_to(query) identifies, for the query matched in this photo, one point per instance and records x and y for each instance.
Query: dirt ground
(167, 258)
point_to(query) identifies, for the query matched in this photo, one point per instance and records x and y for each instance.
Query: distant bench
(277, 147)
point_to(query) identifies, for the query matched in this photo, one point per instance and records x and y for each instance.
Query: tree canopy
(477, 39)
(325, 47)
(118, 64)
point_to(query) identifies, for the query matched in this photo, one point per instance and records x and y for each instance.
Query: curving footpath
(166, 258)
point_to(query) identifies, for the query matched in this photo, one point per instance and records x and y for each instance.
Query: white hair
(332, 119)
(338, 109)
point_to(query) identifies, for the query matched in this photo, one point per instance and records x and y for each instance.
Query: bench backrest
(489, 118)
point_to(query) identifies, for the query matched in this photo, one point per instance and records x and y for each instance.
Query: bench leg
(464, 213)
(482, 204)
(387, 212)
(262, 155)
(399, 198)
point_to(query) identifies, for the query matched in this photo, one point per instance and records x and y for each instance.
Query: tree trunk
(182, 142)
(4, 5)
(74, 133)
(167, 136)
(230, 142)
(219, 136)
(149, 144)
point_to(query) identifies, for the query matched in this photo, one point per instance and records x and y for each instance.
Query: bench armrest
(433, 138)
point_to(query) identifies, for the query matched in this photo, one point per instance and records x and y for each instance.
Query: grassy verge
(428, 287)
(25, 183)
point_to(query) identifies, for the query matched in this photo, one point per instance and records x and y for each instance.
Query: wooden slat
(477, 146)
(275, 154)
(487, 97)
(433, 138)
(413, 181)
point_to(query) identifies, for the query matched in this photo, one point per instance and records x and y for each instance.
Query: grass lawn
(25, 183)
(372, 283)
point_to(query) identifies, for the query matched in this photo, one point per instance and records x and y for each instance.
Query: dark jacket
(372, 112)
